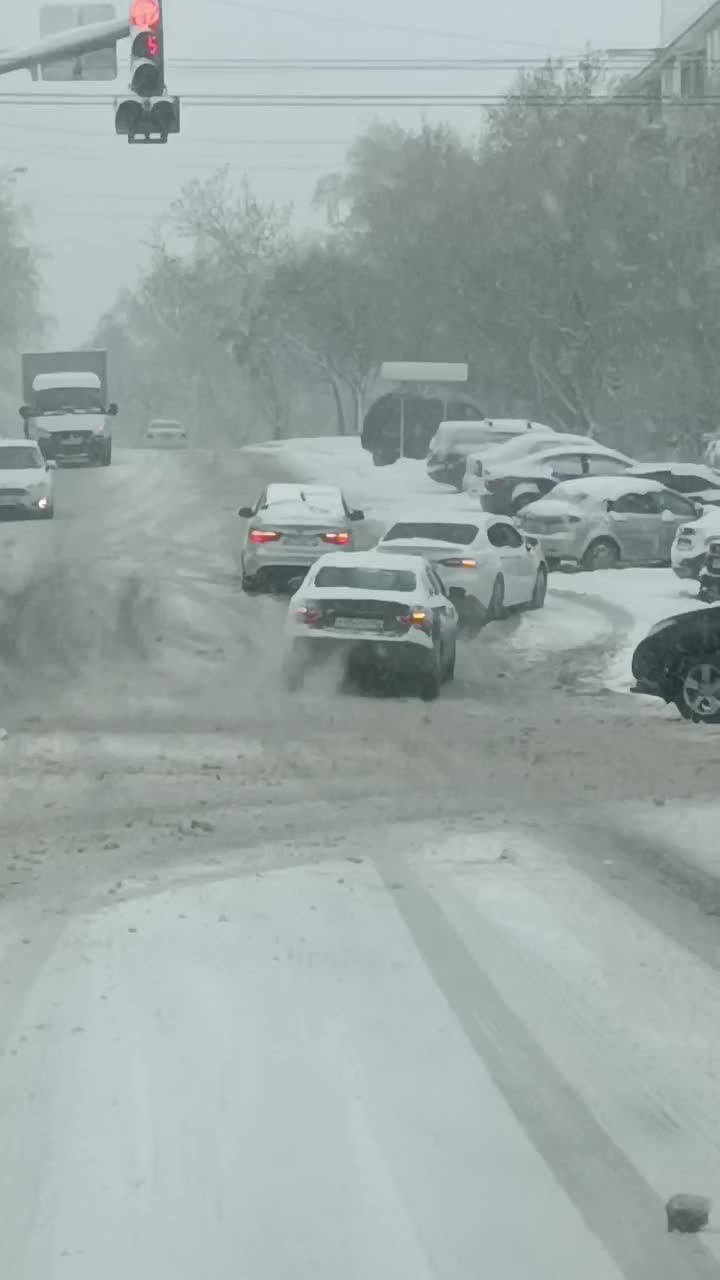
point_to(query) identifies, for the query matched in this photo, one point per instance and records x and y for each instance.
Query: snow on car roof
(678, 468)
(607, 486)
(294, 492)
(369, 559)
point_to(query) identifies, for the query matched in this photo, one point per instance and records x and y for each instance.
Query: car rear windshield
(461, 534)
(19, 458)
(366, 579)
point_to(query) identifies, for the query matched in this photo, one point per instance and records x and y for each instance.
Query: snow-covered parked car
(691, 540)
(454, 441)
(609, 520)
(390, 614)
(507, 487)
(484, 562)
(511, 451)
(693, 479)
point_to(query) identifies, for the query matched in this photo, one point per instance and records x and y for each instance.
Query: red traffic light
(145, 14)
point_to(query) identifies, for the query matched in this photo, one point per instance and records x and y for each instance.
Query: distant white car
(453, 441)
(510, 451)
(27, 482)
(387, 613)
(691, 541)
(163, 433)
(289, 528)
(607, 520)
(506, 487)
(694, 479)
(485, 563)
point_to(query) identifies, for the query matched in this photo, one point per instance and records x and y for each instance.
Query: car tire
(450, 664)
(603, 553)
(430, 682)
(249, 585)
(107, 457)
(696, 674)
(496, 604)
(537, 600)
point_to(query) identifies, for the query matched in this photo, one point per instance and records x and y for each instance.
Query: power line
(377, 99)
(342, 65)
(368, 25)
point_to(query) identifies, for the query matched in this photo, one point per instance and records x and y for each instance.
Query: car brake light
(339, 539)
(416, 618)
(459, 564)
(262, 535)
(309, 613)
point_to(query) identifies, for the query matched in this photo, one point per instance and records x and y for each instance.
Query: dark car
(679, 661)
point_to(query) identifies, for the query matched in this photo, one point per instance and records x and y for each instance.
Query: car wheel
(537, 600)
(698, 689)
(107, 458)
(603, 553)
(430, 681)
(450, 664)
(496, 607)
(249, 585)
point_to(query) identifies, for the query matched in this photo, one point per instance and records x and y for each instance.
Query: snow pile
(645, 595)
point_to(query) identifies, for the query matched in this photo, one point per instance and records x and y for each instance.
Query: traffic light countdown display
(149, 115)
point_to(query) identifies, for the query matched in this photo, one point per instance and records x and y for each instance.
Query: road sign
(101, 64)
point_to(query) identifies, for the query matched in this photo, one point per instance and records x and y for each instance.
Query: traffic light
(147, 70)
(149, 115)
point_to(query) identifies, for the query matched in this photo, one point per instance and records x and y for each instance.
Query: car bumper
(268, 564)
(91, 450)
(387, 652)
(25, 505)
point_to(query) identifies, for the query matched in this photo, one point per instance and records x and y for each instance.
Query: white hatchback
(485, 563)
(390, 614)
(688, 551)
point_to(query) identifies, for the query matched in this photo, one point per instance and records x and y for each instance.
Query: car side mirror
(112, 410)
(357, 515)
(246, 513)
(609, 505)
(531, 542)
(51, 465)
(699, 508)
(25, 411)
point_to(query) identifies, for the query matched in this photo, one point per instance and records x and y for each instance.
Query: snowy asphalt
(335, 984)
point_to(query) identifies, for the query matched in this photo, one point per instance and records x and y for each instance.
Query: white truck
(65, 405)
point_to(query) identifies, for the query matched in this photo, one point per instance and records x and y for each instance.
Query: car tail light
(339, 539)
(416, 618)
(262, 535)
(309, 613)
(457, 563)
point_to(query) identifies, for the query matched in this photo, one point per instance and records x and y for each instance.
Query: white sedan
(691, 540)
(485, 563)
(388, 614)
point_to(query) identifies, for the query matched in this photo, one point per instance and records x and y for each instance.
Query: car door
(634, 521)
(674, 510)
(514, 557)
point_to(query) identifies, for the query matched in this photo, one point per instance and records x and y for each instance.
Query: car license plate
(302, 539)
(359, 624)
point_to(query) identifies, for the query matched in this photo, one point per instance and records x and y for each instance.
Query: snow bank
(645, 595)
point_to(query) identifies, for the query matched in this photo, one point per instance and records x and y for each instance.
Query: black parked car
(679, 661)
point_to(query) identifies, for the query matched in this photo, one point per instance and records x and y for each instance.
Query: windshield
(366, 579)
(18, 458)
(68, 400)
(433, 532)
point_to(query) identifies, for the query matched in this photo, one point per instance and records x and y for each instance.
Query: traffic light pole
(67, 44)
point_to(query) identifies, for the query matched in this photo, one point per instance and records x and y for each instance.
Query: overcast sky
(93, 197)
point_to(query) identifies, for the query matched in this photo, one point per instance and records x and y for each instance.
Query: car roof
(369, 560)
(281, 492)
(679, 468)
(17, 440)
(465, 515)
(607, 486)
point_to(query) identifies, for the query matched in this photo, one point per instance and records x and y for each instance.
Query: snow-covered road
(334, 984)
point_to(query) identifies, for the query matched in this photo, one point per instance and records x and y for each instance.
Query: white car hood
(23, 479)
(70, 422)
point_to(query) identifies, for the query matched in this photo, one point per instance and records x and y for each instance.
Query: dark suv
(679, 661)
